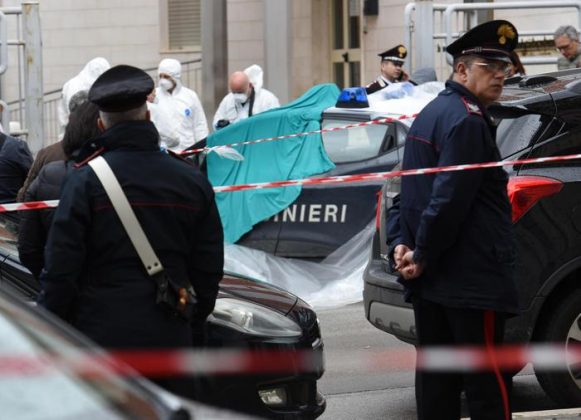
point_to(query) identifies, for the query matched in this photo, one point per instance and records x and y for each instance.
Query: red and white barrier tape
(268, 362)
(376, 176)
(31, 205)
(308, 133)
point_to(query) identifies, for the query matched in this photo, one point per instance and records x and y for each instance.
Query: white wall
(245, 34)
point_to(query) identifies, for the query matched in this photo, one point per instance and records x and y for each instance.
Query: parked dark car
(249, 315)
(31, 388)
(324, 217)
(538, 116)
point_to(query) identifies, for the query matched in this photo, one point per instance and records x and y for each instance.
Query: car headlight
(253, 319)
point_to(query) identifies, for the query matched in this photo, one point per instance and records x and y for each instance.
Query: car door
(325, 217)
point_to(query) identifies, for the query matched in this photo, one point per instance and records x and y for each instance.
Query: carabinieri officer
(392, 62)
(451, 234)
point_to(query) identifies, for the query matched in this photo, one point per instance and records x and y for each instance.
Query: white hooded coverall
(264, 100)
(82, 81)
(178, 116)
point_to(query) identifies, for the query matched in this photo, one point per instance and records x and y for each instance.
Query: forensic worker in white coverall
(247, 97)
(82, 81)
(177, 111)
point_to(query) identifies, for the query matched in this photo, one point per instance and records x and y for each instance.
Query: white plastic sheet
(334, 282)
(404, 98)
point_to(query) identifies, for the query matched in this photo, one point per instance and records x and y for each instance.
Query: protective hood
(256, 76)
(94, 68)
(170, 67)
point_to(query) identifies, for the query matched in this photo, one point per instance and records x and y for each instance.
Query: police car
(538, 116)
(325, 217)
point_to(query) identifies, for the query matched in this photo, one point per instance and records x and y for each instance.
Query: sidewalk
(565, 413)
(560, 414)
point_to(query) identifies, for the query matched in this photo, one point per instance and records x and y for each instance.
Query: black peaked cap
(121, 88)
(397, 53)
(495, 39)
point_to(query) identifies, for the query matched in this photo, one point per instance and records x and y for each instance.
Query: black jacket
(459, 223)
(15, 161)
(93, 276)
(34, 225)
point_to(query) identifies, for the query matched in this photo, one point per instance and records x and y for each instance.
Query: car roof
(518, 91)
(541, 87)
(390, 103)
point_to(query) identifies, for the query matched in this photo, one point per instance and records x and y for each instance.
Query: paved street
(383, 395)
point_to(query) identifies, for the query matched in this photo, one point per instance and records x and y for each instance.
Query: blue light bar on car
(354, 97)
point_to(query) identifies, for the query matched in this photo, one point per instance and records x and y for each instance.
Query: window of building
(182, 25)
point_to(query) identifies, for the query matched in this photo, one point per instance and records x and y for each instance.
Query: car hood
(234, 285)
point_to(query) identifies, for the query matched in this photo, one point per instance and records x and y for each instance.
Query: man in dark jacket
(93, 276)
(451, 234)
(15, 161)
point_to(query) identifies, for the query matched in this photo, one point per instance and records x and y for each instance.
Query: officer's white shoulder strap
(126, 214)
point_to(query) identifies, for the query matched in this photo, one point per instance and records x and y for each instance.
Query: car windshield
(31, 386)
(354, 144)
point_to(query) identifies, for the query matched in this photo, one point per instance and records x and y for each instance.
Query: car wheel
(563, 326)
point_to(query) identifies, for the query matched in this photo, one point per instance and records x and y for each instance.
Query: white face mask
(166, 84)
(240, 98)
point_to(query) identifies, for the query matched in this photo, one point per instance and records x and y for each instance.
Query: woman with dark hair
(34, 225)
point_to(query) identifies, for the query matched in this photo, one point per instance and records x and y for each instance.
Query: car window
(515, 134)
(401, 135)
(568, 143)
(36, 385)
(357, 143)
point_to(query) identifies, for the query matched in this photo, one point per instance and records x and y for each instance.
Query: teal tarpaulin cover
(277, 160)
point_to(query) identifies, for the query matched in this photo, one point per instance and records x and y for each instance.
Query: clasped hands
(405, 264)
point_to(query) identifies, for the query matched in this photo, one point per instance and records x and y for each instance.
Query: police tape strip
(31, 205)
(378, 176)
(269, 362)
(308, 133)
(329, 180)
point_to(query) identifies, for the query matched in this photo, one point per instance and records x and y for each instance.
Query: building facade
(299, 43)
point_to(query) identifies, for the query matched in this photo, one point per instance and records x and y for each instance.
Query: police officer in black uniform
(93, 276)
(392, 62)
(451, 235)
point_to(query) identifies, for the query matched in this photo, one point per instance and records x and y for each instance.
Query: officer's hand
(398, 254)
(409, 269)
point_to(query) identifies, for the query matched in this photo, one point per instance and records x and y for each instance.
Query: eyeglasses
(563, 47)
(497, 66)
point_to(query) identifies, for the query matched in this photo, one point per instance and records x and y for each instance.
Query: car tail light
(378, 210)
(525, 191)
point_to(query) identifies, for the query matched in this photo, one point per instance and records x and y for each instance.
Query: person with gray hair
(567, 43)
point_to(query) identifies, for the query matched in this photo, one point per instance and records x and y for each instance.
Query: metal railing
(191, 78)
(466, 16)
(26, 70)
